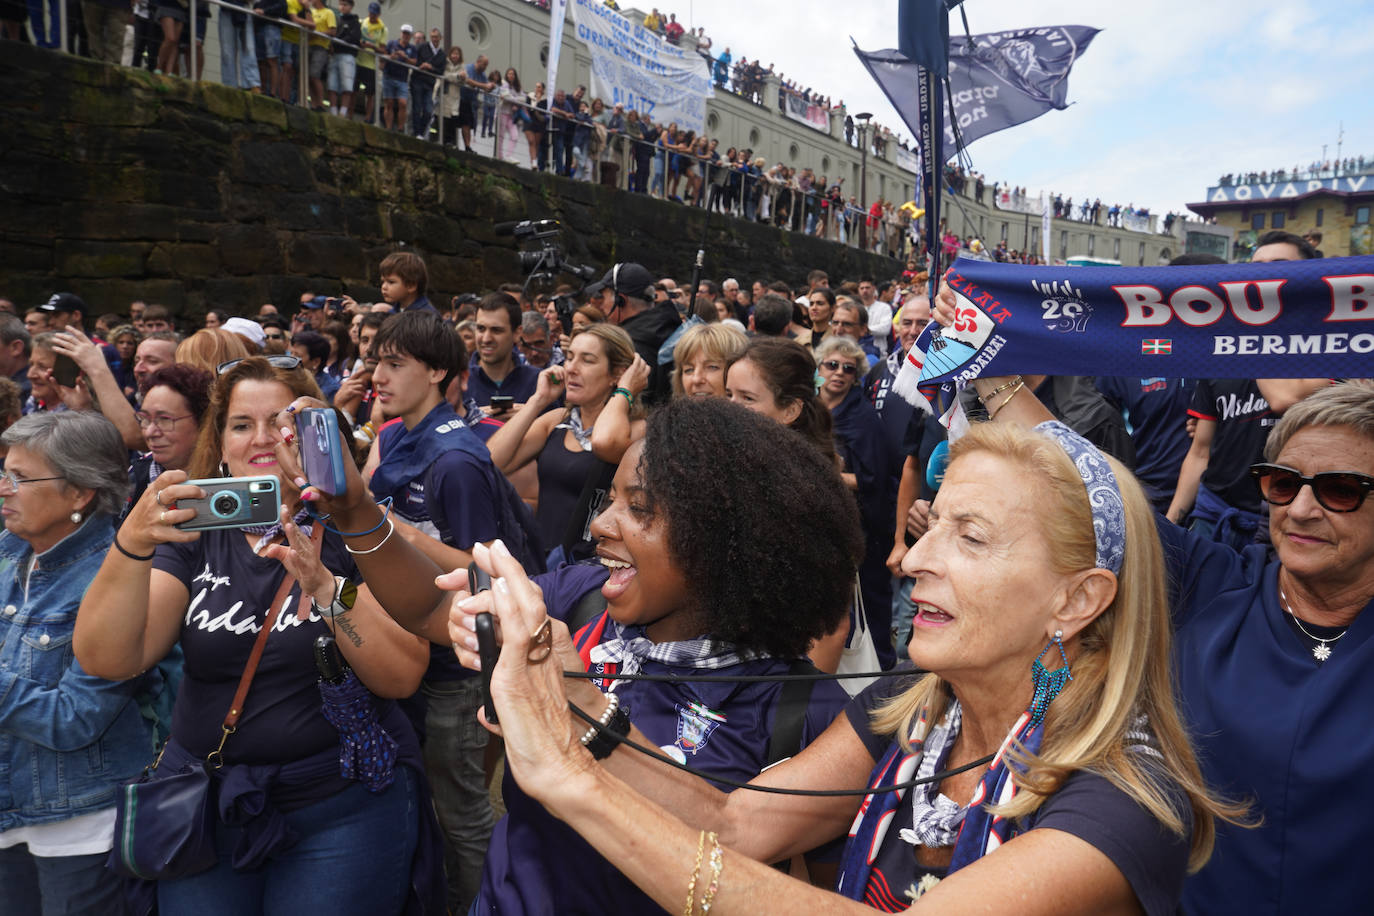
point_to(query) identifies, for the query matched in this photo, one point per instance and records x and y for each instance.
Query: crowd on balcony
(1316, 169)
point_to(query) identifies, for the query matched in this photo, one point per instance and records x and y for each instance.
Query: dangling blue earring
(1048, 683)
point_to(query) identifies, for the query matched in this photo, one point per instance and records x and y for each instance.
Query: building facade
(1336, 205)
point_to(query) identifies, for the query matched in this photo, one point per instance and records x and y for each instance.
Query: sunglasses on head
(835, 365)
(1336, 491)
(276, 362)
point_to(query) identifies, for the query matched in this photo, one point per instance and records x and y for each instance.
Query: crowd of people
(1137, 649)
(1316, 169)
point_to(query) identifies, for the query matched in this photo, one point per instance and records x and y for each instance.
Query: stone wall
(117, 184)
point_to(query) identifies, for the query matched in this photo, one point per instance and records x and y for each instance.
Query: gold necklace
(1321, 651)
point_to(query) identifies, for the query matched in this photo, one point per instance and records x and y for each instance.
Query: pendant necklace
(1321, 651)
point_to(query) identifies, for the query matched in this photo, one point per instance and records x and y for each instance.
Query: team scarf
(574, 425)
(980, 832)
(627, 649)
(1283, 319)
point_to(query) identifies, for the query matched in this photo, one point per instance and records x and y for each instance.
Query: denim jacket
(67, 739)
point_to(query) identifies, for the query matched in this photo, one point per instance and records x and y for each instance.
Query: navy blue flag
(1284, 319)
(923, 33)
(1002, 79)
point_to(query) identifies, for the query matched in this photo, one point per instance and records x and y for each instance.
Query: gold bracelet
(1018, 380)
(992, 414)
(717, 860)
(692, 885)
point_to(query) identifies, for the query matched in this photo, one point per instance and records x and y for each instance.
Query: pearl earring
(76, 518)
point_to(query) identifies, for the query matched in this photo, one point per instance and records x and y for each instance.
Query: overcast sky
(1169, 96)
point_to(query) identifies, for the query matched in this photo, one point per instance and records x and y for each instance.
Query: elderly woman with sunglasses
(868, 470)
(1273, 659)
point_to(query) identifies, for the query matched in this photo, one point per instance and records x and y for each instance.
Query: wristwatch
(345, 596)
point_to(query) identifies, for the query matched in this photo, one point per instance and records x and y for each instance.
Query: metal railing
(741, 190)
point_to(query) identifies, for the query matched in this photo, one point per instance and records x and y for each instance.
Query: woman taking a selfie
(1063, 779)
(289, 821)
(697, 535)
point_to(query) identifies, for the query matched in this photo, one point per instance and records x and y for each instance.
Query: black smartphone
(233, 502)
(487, 650)
(65, 371)
(321, 450)
(502, 402)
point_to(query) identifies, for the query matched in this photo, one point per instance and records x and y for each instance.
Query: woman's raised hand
(548, 388)
(527, 689)
(154, 518)
(636, 377)
(301, 558)
(355, 492)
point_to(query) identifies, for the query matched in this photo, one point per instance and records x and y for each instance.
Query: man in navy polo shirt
(495, 369)
(440, 478)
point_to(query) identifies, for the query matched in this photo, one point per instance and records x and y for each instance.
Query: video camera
(542, 258)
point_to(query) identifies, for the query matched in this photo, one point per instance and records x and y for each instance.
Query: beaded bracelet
(629, 396)
(717, 861)
(612, 704)
(696, 870)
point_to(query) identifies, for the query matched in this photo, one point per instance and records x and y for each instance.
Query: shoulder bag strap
(231, 719)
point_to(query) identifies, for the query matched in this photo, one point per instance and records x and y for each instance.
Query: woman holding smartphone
(289, 823)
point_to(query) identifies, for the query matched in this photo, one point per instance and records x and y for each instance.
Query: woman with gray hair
(67, 739)
(861, 443)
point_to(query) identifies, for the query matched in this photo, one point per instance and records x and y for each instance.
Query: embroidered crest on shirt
(695, 723)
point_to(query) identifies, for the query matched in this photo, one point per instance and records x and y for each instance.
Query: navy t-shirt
(1273, 726)
(1243, 421)
(1157, 411)
(454, 502)
(1153, 860)
(231, 590)
(519, 383)
(536, 864)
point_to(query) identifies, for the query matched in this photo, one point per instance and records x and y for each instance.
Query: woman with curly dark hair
(700, 539)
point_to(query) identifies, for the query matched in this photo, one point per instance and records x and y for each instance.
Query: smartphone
(321, 450)
(65, 371)
(487, 650)
(233, 502)
(502, 402)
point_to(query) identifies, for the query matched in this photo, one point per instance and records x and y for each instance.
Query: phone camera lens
(225, 505)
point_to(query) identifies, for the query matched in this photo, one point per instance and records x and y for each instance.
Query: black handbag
(164, 826)
(165, 821)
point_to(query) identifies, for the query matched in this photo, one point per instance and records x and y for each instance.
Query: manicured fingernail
(470, 642)
(501, 586)
(300, 482)
(498, 547)
(309, 496)
(467, 602)
(287, 435)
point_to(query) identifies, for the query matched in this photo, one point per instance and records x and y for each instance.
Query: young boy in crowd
(441, 480)
(403, 280)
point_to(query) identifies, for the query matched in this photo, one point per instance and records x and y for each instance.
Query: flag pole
(932, 164)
